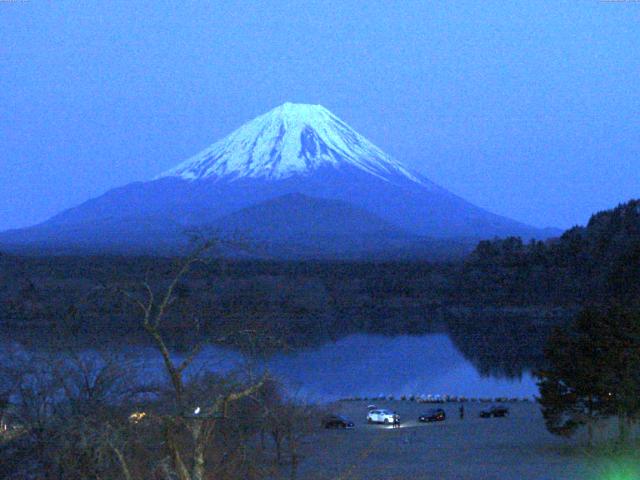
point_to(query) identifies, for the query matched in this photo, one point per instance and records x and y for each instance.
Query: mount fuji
(296, 179)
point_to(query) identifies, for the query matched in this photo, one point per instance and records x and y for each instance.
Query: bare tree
(188, 462)
(89, 414)
(63, 404)
(289, 422)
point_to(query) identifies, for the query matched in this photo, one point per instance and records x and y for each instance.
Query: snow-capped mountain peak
(292, 139)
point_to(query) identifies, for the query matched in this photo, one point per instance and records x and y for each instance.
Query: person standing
(396, 421)
(461, 412)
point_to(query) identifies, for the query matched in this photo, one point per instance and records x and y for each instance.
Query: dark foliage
(593, 265)
(505, 290)
(592, 372)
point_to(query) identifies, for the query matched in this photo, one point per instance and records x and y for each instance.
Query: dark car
(433, 415)
(336, 421)
(495, 411)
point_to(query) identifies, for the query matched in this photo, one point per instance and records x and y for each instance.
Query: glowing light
(620, 470)
(137, 417)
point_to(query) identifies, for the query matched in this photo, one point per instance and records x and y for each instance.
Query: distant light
(196, 411)
(136, 417)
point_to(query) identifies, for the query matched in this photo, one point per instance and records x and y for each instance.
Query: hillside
(591, 264)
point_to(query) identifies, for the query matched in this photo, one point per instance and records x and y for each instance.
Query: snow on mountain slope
(278, 176)
(292, 139)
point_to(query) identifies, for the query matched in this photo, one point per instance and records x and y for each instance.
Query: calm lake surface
(370, 365)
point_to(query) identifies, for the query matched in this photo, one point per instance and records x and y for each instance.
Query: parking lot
(516, 447)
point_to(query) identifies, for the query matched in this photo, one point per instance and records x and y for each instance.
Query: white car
(382, 416)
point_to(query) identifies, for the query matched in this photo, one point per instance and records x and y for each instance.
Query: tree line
(591, 372)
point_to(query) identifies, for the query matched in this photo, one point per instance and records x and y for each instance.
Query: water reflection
(367, 365)
(371, 365)
(359, 365)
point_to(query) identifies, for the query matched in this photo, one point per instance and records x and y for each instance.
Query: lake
(366, 365)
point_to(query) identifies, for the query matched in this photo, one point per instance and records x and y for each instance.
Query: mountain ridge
(292, 149)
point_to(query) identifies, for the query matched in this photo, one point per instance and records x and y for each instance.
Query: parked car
(382, 416)
(495, 411)
(337, 421)
(433, 415)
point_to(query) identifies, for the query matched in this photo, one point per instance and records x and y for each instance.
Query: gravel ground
(517, 447)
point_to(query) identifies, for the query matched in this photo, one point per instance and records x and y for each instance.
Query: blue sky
(529, 109)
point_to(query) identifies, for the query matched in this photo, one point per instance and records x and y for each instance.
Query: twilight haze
(528, 109)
